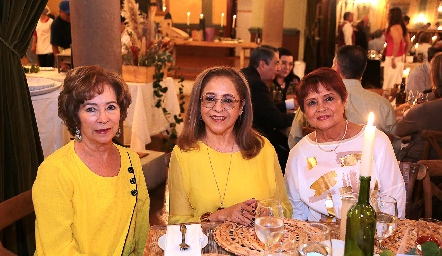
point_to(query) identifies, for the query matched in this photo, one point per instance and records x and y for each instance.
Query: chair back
(433, 140)
(432, 185)
(413, 175)
(14, 209)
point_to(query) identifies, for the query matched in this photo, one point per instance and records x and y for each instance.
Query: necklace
(339, 143)
(216, 182)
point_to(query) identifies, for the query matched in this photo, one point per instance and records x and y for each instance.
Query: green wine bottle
(361, 224)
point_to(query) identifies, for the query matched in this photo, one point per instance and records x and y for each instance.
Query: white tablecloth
(53, 134)
(143, 119)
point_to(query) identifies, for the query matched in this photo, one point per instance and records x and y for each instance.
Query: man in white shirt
(419, 78)
(350, 62)
(346, 35)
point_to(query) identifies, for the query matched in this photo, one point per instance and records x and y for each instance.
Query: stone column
(95, 29)
(273, 22)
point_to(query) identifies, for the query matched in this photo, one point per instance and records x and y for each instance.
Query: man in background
(346, 35)
(419, 78)
(350, 62)
(378, 42)
(269, 118)
(61, 30)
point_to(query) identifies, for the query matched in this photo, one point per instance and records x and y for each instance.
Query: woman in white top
(325, 163)
(41, 41)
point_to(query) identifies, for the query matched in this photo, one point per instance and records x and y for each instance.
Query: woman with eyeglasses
(220, 166)
(283, 86)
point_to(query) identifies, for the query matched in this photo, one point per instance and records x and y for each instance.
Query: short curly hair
(84, 83)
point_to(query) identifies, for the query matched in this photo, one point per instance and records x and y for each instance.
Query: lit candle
(234, 19)
(367, 147)
(164, 8)
(222, 19)
(406, 72)
(201, 16)
(416, 45)
(412, 38)
(188, 18)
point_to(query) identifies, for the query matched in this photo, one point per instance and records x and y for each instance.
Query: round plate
(162, 241)
(45, 90)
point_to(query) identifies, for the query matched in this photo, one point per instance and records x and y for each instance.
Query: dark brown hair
(396, 18)
(326, 77)
(84, 83)
(436, 74)
(248, 140)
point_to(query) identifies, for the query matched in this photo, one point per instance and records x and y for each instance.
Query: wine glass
(428, 230)
(315, 240)
(386, 217)
(411, 97)
(269, 222)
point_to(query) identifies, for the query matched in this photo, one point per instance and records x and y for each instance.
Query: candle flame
(222, 14)
(188, 13)
(370, 119)
(201, 16)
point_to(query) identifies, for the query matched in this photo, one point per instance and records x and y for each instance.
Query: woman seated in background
(283, 86)
(425, 116)
(325, 163)
(221, 166)
(90, 196)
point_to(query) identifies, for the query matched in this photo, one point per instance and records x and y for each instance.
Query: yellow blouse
(193, 181)
(81, 213)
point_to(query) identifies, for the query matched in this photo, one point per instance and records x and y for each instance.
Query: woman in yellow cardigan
(221, 166)
(90, 196)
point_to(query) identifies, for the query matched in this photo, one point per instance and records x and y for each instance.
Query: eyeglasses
(227, 101)
(287, 64)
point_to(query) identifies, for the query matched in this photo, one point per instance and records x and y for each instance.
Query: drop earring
(78, 134)
(118, 132)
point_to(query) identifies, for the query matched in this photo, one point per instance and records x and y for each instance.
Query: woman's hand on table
(242, 213)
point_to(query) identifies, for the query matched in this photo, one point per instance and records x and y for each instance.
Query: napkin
(194, 234)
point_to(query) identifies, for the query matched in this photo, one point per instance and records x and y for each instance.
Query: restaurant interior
(202, 33)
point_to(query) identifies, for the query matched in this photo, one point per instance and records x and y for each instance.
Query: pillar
(273, 22)
(95, 29)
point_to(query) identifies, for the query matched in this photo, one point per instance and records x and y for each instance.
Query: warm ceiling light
(421, 18)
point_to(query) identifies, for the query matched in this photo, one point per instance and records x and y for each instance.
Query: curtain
(20, 147)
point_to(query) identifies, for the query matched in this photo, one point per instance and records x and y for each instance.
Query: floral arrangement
(144, 50)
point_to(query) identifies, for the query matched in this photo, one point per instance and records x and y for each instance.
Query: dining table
(143, 120)
(226, 238)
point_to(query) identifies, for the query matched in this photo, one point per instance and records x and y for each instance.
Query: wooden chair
(433, 139)
(432, 190)
(12, 210)
(413, 175)
(432, 160)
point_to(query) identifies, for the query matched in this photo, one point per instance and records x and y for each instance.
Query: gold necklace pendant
(216, 182)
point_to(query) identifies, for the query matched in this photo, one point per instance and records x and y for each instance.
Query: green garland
(162, 60)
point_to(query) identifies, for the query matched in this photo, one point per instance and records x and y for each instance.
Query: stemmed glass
(386, 217)
(269, 222)
(411, 97)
